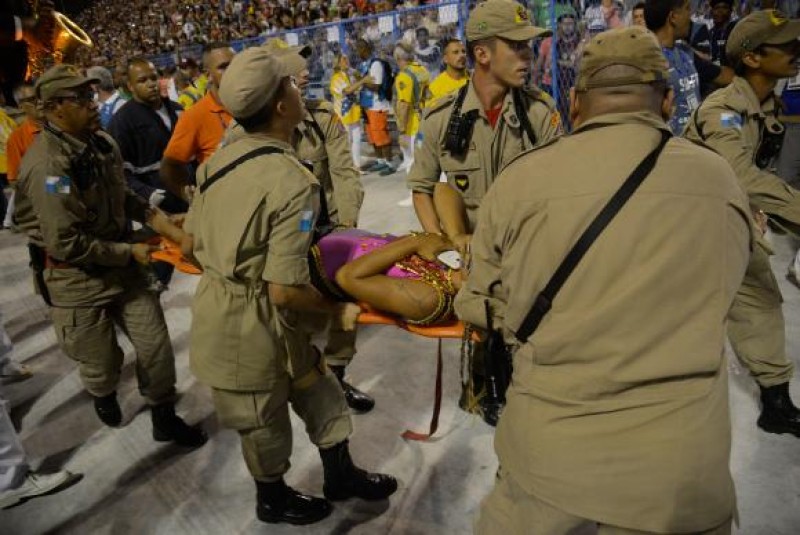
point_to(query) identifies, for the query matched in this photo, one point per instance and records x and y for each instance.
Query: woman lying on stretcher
(398, 275)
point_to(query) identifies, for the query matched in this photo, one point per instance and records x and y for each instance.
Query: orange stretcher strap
(170, 252)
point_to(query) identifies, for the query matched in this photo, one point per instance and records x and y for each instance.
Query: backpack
(386, 90)
(419, 91)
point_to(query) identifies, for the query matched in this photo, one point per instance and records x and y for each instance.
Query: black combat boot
(168, 427)
(344, 480)
(778, 413)
(107, 409)
(277, 502)
(355, 398)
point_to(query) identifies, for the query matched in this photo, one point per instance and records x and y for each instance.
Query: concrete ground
(132, 484)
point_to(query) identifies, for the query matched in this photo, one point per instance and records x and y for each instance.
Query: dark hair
(656, 12)
(361, 42)
(450, 41)
(136, 60)
(210, 47)
(488, 42)
(639, 5)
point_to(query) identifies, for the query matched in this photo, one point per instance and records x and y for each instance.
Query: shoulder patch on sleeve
(729, 119)
(55, 185)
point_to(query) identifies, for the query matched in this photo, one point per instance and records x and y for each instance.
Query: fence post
(554, 70)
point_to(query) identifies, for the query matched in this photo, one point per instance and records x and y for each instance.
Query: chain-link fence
(426, 28)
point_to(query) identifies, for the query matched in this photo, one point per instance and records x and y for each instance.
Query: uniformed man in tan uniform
(740, 123)
(246, 341)
(617, 414)
(471, 134)
(76, 209)
(321, 141)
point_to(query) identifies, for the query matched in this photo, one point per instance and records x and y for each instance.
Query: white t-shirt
(162, 112)
(376, 71)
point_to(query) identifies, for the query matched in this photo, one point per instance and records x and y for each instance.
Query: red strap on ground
(437, 403)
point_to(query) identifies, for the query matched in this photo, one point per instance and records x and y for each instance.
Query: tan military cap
(502, 18)
(634, 46)
(767, 27)
(276, 44)
(253, 78)
(56, 79)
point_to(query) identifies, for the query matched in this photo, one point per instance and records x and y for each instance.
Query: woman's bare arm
(364, 280)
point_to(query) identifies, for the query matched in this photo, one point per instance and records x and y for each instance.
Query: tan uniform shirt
(731, 121)
(618, 411)
(490, 149)
(250, 228)
(332, 160)
(328, 151)
(79, 217)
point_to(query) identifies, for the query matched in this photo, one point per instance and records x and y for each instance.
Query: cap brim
(292, 63)
(78, 82)
(525, 33)
(789, 32)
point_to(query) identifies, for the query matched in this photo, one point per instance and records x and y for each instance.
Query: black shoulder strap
(522, 115)
(317, 128)
(255, 153)
(544, 301)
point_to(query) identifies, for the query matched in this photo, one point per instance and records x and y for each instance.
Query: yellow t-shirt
(189, 97)
(339, 81)
(443, 85)
(7, 125)
(415, 94)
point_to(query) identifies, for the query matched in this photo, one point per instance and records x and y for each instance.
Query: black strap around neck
(255, 153)
(544, 301)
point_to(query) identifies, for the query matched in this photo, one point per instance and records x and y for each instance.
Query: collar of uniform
(471, 102)
(754, 107)
(74, 144)
(304, 124)
(644, 118)
(274, 142)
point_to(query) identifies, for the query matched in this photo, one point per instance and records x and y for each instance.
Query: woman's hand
(462, 241)
(347, 316)
(430, 245)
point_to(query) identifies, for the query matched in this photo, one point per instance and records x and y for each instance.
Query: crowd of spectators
(141, 27)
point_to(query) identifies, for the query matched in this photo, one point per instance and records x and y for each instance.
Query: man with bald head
(617, 414)
(142, 128)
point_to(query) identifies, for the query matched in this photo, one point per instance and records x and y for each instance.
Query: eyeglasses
(26, 100)
(82, 99)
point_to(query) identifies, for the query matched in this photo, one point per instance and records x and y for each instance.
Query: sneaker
(370, 167)
(13, 372)
(33, 486)
(389, 169)
(408, 201)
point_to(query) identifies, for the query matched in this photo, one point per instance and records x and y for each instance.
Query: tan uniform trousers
(509, 510)
(262, 418)
(341, 347)
(87, 336)
(755, 324)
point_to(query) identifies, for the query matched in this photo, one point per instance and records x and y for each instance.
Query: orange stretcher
(170, 252)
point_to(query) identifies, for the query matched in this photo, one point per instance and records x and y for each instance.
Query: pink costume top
(338, 248)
